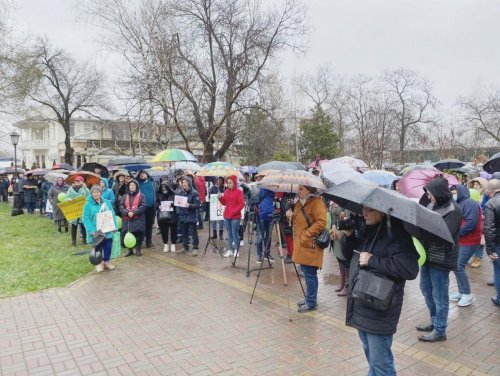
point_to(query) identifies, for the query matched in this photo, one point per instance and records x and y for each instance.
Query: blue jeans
(30, 207)
(189, 228)
(496, 271)
(264, 232)
(378, 353)
(233, 238)
(479, 252)
(311, 278)
(434, 284)
(465, 252)
(213, 224)
(105, 247)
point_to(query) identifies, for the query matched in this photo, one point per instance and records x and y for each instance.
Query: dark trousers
(139, 237)
(150, 219)
(30, 207)
(74, 232)
(187, 229)
(3, 195)
(165, 228)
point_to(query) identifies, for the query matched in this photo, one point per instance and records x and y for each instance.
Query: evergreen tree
(318, 136)
(23, 165)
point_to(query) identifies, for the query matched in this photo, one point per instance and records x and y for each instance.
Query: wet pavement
(173, 314)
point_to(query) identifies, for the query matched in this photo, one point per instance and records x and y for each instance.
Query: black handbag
(323, 239)
(373, 290)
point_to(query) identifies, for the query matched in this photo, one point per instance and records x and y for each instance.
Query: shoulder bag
(323, 239)
(372, 289)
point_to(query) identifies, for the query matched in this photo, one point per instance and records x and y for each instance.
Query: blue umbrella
(380, 177)
(248, 169)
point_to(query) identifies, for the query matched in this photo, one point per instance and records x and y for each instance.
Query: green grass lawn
(35, 256)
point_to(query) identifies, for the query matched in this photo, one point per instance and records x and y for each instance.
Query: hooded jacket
(107, 193)
(492, 224)
(266, 207)
(90, 211)
(233, 200)
(443, 255)
(147, 187)
(189, 214)
(471, 227)
(137, 223)
(54, 191)
(166, 193)
(199, 182)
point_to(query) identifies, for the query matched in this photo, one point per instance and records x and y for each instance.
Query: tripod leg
(280, 250)
(256, 281)
(298, 277)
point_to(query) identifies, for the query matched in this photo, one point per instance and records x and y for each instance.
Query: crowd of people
(375, 242)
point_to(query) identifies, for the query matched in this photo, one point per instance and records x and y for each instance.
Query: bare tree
(200, 60)
(413, 105)
(481, 113)
(52, 79)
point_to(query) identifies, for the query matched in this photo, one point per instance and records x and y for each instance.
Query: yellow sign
(73, 209)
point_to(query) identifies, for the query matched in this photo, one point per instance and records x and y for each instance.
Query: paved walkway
(173, 314)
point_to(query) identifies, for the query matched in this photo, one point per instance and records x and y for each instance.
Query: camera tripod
(212, 242)
(249, 223)
(276, 226)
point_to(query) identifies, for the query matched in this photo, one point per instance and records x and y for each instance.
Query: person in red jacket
(233, 200)
(471, 229)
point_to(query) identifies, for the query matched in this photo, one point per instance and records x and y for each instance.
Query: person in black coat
(188, 216)
(167, 219)
(385, 251)
(441, 258)
(132, 209)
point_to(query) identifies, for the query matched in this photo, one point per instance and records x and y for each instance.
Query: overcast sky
(454, 43)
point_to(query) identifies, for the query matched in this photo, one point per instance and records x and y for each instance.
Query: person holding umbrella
(309, 209)
(383, 247)
(441, 259)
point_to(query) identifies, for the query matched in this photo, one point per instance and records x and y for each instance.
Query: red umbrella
(412, 184)
(89, 178)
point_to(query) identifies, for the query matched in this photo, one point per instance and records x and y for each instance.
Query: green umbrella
(172, 155)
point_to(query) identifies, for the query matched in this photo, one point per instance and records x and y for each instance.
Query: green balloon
(61, 197)
(420, 250)
(129, 240)
(475, 195)
(118, 222)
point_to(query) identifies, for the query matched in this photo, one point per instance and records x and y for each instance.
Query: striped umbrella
(219, 169)
(164, 157)
(289, 181)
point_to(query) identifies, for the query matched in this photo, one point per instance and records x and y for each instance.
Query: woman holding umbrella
(310, 208)
(57, 215)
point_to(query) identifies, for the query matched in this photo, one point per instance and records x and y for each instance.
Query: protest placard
(73, 209)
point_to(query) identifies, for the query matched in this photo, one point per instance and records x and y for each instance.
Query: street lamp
(16, 205)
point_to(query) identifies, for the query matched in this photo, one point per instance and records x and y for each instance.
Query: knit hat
(96, 187)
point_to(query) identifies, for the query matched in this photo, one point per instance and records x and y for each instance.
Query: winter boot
(130, 253)
(342, 278)
(138, 252)
(221, 235)
(74, 230)
(346, 285)
(214, 234)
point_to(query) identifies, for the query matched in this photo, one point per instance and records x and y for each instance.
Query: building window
(38, 134)
(72, 129)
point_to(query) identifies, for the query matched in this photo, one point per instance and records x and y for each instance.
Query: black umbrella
(417, 219)
(91, 166)
(493, 164)
(472, 172)
(128, 163)
(448, 164)
(280, 165)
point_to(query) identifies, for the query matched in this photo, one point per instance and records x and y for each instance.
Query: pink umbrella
(315, 164)
(412, 184)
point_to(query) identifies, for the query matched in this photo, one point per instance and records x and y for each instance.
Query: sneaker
(108, 266)
(491, 282)
(259, 260)
(236, 254)
(194, 253)
(165, 248)
(99, 268)
(242, 242)
(466, 300)
(172, 247)
(455, 297)
(270, 258)
(229, 253)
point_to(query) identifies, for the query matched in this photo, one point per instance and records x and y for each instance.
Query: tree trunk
(68, 153)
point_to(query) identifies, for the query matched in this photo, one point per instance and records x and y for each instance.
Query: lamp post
(16, 205)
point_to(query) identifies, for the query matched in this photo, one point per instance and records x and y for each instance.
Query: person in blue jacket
(148, 189)
(92, 207)
(266, 210)
(107, 193)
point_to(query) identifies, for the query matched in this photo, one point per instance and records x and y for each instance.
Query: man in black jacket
(441, 259)
(389, 253)
(492, 232)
